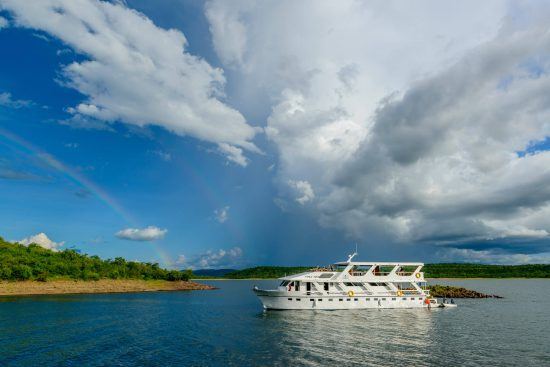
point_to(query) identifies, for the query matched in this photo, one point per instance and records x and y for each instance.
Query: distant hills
(442, 270)
(213, 272)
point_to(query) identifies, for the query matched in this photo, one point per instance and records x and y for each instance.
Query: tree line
(18, 262)
(442, 270)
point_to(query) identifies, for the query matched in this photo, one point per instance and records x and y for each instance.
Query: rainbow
(84, 182)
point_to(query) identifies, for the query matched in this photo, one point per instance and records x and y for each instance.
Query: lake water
(227, 327)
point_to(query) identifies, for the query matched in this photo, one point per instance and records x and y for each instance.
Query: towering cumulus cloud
(417, 122)
(136, 72)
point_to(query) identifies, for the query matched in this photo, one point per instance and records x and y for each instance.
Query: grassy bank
(29, 287)
(28, 270)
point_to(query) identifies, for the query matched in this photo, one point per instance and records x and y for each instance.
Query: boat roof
(378, 263)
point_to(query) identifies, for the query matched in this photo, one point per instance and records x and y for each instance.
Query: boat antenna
(354, 254)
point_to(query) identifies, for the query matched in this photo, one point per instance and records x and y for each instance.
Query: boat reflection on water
(353, 337)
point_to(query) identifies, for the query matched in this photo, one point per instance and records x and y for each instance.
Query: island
(29, 270)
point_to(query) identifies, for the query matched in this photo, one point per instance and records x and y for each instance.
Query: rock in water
(445, 291)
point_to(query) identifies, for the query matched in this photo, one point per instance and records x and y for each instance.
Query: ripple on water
(227, 327)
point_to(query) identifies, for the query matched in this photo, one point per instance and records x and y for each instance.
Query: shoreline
(102, 286)
(429, 279)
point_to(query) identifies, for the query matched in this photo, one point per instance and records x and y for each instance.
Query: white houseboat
(351, 285)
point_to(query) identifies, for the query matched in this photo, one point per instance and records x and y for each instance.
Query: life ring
(350, 293)
(418, 275)
(399, 293)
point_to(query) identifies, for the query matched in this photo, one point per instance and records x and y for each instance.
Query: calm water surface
(227, 327)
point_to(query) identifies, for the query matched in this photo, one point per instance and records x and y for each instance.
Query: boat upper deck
(363, 271)
(379, 263)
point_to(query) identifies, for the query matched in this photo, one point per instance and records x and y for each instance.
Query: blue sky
(206, 135)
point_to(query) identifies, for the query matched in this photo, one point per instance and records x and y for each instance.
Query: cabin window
(311, 299)
(330, 300)
(298, 299)
(355, 299)
(383, 299)
(284, 283)
(367, 299)
(349, 284)
(325, 286)
(308, 286)
(340, 299)
(290, 299)
(297, 285)
(404, 299)
(394, 299)
(376, 299)
(348, 299)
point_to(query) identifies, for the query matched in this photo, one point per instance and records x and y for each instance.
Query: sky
(215, 134)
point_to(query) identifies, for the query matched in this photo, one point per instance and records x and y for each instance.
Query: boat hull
(283, 302)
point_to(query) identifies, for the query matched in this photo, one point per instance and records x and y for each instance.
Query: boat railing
(405, 273)
(410, 291)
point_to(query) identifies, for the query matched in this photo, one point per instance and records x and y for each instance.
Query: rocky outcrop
(445, 291)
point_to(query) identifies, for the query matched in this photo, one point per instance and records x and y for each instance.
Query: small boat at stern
(351, 285)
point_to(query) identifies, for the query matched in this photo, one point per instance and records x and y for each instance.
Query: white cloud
(41, 240)
(417, 150)
(150, 233)
(304, 191)
(136, 72)
(213, 259)
(165, 156)
(3, 22)
(222, 214)
(233, 154)
(231, 47)
(7, 101)
(41, 36)
(493, 257)
(77, 121)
